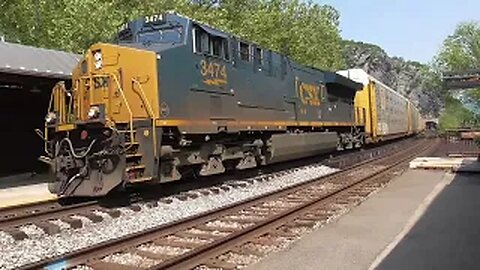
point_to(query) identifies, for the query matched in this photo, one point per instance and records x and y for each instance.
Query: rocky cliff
(406, 77)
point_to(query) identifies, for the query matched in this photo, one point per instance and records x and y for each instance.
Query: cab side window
(244, 50)
(208, 44)
(216, 46)
(258, 56)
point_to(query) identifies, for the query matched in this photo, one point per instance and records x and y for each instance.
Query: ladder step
(141, 179)
(134, 155)
(131, 143)
(136, 167)
(126, 131)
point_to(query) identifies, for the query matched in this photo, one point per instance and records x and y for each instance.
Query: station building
(27, 75)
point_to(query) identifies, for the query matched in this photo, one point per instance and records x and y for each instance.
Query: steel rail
(197, 256)
(102, 249)
(24, 214)
(18, 215)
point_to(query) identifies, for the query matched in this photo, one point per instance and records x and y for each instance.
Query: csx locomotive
(176, 98)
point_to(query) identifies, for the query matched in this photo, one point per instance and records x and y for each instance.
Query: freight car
(388, 114)
(175, 97)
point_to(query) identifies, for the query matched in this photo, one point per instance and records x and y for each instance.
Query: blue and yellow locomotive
(175, 97)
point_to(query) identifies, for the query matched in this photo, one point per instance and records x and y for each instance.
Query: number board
(154, 18)
(213, 73)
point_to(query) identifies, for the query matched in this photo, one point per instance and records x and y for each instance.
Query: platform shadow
(447, 235)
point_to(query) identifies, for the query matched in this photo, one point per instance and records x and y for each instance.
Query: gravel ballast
(40, 246)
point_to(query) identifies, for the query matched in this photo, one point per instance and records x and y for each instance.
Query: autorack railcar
(388, 115)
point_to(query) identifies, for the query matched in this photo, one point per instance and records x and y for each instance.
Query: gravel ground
(32, 231)
(215, 233)
(194, 240)
(239, 259)
(204, 267)
(61, 224)
(131, 259)
(40, 245)
(167, 250)
(260, 248)
(6, 239)
(228, 225)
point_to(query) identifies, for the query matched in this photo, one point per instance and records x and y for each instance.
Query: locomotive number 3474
(213, 73)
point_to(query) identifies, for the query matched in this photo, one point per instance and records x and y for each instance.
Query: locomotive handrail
(132, 136)
(45, 129)
(70, 105)
(151, 113)
(57, 101)
(124, 98)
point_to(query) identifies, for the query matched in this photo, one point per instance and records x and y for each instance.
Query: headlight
(98, 59)
(94, 112)
(51, 118)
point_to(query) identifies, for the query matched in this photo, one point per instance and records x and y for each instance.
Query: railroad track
(29, 213)
(233, 235)
(41, 213)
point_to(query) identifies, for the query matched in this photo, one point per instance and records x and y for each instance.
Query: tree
(460, 51)
(305, 31)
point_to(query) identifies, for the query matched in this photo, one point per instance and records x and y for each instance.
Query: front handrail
(57, 101)
(151, 113)
(45, 128)
(119, 87)
(70, 103)
(124, 98)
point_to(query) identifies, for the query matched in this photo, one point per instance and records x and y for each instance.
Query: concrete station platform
(11, 196)
(456, 164)
(424, 219)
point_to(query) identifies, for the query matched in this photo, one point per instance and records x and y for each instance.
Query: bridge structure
(466, 79)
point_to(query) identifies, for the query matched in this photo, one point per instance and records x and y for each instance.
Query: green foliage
(456, 115)
(432, 80)
(460, 51)
(67, 24)
(305, 31)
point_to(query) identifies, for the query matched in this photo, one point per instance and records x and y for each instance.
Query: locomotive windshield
(151, 29)
(125, 35)
(164, 34)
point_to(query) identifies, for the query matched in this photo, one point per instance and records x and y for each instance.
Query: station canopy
(21, 60)
(27, 76)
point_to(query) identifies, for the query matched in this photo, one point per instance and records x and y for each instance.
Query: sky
(412, 29)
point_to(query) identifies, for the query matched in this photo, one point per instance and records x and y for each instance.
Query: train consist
(386, 113)
(176, 98)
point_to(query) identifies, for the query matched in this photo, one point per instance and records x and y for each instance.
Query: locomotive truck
(176, 98)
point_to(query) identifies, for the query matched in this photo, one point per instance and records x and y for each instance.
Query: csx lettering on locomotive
(309, 94)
